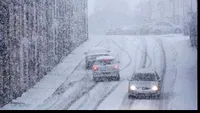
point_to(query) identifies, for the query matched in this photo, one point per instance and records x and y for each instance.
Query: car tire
(156, 96)
(96, 79)
(118, 78)
(130, 96)
(86, 66)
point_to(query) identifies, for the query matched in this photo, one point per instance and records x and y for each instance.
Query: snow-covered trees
(110, 14)
(193, 30)
(35, 35)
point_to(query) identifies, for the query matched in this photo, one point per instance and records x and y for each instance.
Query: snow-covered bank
(181, 84)
(48, 85)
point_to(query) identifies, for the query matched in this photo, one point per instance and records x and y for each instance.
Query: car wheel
(156, 96)
(118, 78)
(130, 96)
(86, 66)
(96, 79)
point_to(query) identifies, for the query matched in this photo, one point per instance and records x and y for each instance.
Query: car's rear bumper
(106, 74)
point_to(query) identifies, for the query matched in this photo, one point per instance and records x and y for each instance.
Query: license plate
(144, 88)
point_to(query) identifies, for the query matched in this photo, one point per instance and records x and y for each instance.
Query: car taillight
(95, 68)
(116, 66)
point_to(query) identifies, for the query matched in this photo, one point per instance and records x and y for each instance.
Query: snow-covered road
(163, 53)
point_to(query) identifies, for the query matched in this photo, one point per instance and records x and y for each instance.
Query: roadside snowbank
(48, 85)
(182, 87)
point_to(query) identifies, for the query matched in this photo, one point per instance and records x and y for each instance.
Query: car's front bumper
(144, 93)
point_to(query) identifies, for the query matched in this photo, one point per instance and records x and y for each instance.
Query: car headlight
(133, 87)
(155, 88)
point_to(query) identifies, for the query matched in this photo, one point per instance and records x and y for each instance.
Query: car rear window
(106, 62)
(145, 77)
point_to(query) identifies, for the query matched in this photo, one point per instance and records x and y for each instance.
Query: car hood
(144, 83)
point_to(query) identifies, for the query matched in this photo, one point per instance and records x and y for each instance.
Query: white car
(145, 82)
(126, 30)
(91, 55)
(106, 67)
(145, 29)
(165, 28)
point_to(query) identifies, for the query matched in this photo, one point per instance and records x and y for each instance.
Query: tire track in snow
(106, 95)
(110, 84)
(175, 72)
(63, 87)
(145, 55)
(127, 103)
(100, 91)
(113, 86)
(130, 59)
(168, 93)
(72, 83)
(76, 97)
(154, 103)
(163, 61)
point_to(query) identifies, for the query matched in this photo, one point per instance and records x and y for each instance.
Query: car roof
(105, 57)
(97, 48)
(98, 53)
(146, 71)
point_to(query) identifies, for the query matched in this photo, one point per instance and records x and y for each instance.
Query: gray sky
(90, 6)
(91, 3)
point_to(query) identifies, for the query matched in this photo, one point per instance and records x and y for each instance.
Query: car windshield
(145, 77)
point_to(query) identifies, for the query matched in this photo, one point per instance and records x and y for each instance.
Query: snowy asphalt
(80, 92)
(84, 94)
